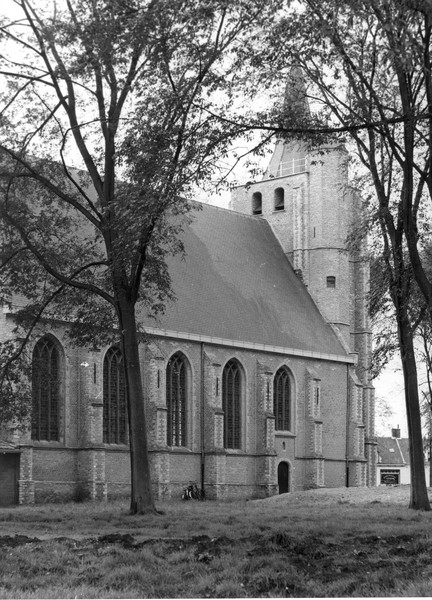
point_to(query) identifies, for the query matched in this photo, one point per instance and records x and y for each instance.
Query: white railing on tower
(290, 167)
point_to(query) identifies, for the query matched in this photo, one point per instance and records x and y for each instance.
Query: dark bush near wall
(81, 494)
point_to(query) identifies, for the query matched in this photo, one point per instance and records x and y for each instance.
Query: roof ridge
(232, 211)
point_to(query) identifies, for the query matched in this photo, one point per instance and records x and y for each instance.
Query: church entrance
(283, 477)
(9, 474)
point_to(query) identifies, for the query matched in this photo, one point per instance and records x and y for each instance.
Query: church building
(256, 378)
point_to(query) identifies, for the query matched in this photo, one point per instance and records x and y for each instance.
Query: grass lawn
(322, 543)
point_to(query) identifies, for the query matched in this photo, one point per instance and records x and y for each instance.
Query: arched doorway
(283, 477)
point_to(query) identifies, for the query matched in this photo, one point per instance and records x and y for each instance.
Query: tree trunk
(430, 458)
(141, 488)
(419, 499)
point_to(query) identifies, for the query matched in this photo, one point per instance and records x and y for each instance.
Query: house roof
(236, 283)
(404, 447)
(393, 451)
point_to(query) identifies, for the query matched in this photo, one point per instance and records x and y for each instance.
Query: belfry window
(331, 281)
(279, 199)
(176, 394)
(45, 390)
(231, 404)
(257, 203)
(282, 400)
(114, 398)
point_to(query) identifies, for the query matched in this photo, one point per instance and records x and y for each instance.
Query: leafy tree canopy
(124, 91)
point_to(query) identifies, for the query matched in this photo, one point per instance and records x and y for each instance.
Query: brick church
(256, 378)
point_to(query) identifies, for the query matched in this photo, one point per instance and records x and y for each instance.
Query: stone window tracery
(176, 394)
(114, 398)
(46, 385)
(231, 404)
(282, 400)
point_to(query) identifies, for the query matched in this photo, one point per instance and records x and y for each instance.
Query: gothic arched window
(114, 398)
(282, 400)
(46, 382)
(176, 394)
(231, 404)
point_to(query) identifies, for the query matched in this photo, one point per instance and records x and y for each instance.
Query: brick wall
(319, 213)
(81, 466)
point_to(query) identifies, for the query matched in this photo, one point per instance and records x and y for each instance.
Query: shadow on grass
(302, 545)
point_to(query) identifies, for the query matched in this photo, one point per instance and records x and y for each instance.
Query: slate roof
(236, 283)
(404, 446)
(393, 451)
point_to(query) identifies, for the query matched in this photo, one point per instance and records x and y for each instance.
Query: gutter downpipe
(347, 432)
(202, 419)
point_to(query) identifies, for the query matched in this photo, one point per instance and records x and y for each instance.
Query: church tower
(304, 195)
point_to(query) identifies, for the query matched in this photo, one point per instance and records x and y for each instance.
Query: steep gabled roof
(404, 448)
(236, 283)
(393, 451)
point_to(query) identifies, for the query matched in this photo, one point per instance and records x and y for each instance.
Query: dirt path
(354, 495)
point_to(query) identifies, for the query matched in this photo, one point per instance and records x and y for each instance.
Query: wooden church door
(283, 477)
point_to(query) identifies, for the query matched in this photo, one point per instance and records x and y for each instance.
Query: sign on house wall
(390, 476)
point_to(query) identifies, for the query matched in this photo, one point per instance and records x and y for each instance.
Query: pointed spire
(289, 154)
(296, 104)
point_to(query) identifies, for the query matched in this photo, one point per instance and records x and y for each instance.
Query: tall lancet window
(176, 394)
(282, 400)
(46, 383)
(231, 404)
(114, 398)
